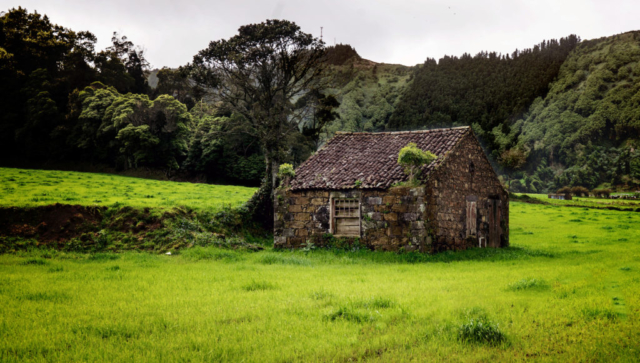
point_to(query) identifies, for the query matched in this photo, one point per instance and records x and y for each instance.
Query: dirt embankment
(91, 229)
(49, 223)
(60, 222)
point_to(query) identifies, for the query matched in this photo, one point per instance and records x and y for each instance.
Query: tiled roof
(371, 158)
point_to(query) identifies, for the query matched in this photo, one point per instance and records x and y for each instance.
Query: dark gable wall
(453, 186)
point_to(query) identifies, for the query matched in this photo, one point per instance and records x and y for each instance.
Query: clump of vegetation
(286, 170)
(258, 286)
(345, 313)
(602, 192)
(275, 259)
(580, 191)
(35, 261)
(600, 313)
(481, 331)
(412, 158)
(201, 253)
(527, 284)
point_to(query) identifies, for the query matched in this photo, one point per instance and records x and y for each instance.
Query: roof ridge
(401, 132)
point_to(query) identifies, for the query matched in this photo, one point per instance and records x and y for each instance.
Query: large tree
(40, 64)
(260, 73)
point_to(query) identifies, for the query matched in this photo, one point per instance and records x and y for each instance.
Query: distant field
(587, 202)
(568, 291)
(25, 188)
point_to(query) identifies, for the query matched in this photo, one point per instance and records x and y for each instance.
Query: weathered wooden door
(495, 217)
(472, 215)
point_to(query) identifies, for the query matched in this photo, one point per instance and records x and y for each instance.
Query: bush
(563, 190)
(412, 158)
(580, 191)
(286, 170)
(482, 331)
(601, 192)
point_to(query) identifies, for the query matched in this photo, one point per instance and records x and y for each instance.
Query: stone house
(347, 190)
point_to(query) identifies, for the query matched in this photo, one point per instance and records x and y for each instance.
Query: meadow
(567, 290)
(590, 202)
(29, 188)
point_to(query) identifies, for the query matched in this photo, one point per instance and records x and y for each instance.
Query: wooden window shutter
(346, 215)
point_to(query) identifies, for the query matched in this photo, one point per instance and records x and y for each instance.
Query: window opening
(346, 215)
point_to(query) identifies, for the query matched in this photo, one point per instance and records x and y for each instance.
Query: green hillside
(367, 91)
(31, 188)
(570, 106)
(586, 130)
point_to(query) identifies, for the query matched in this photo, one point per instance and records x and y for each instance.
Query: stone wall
(461, 204)
(455, 184)
(391, 220)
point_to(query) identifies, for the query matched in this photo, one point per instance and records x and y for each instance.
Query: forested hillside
(586, 131)
(568, 108)
(487, 89)
(562, 113)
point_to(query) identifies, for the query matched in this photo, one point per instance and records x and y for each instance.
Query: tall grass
(564, 292)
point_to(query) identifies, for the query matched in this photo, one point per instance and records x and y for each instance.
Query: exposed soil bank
(88, 229)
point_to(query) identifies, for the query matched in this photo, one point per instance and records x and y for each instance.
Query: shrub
(286, 170)
(480, 330)
(563, 190)
(412, 158)
(580, 191)
(601, 192)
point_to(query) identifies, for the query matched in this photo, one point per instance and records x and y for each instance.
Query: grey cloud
(400, 31)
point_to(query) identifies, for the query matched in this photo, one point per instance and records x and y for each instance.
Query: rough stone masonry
(459, 204)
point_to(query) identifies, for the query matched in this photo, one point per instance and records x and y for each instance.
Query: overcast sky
(389, 31)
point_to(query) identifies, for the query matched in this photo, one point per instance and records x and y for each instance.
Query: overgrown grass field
(28, 188)
(567, 290)
(629, 204)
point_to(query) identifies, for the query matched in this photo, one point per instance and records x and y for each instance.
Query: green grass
(28, 188)
(587, 202)
(565, 291)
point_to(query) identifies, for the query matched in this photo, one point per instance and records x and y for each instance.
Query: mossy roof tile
(371, 158)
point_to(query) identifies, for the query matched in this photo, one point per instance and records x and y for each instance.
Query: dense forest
(64, 102)
(566, 109)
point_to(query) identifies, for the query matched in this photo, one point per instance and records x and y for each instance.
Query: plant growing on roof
(412, 158)
(285, 173)
(286, 170)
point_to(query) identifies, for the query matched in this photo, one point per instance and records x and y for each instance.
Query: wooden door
(495, 217)
(472, 216)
